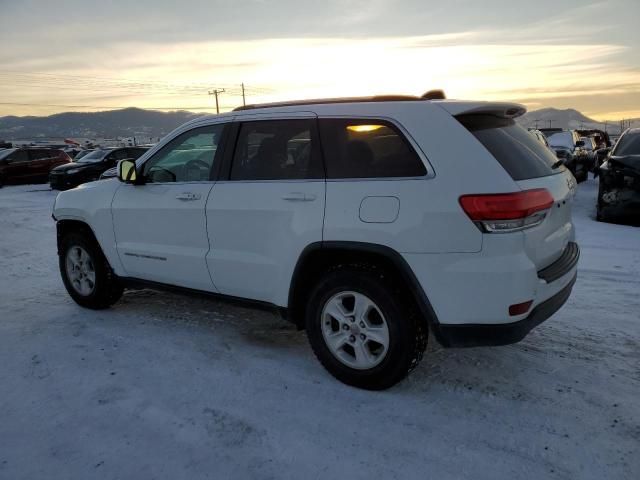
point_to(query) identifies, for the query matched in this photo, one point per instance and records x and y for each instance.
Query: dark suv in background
(89, 167)
(29, 165)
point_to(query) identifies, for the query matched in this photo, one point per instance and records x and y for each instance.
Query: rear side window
(40, 154)
(519, 153)
(277, 150)
(356, 148)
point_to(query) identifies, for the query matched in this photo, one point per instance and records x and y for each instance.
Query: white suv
(369, 222)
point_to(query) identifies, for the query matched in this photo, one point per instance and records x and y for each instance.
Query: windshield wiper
(558, 164)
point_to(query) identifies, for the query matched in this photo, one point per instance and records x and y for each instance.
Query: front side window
(187, 158)
(629, 144)
(276, 150)
(18, 156)
(135, 153)
(118, 155)
(367, 149)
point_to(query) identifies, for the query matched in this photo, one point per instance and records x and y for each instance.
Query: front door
(160, 226)
(269, 207)
(17, 170)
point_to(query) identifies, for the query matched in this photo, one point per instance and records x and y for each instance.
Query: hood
(76, 166)
(628, 161)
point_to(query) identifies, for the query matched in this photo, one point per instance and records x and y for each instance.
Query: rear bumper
(475, 335)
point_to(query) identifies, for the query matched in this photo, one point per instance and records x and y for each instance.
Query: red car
(29, 165)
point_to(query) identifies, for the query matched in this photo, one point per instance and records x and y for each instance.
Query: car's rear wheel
(86, 274)
(363, 329)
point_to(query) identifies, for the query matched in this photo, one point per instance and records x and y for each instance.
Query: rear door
(269, 207)
(38, 163)
(531, 166)
(160, 226)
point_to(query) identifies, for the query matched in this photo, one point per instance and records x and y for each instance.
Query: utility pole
(550, 123)
(536, 120)
(215, 92)
(244, 103)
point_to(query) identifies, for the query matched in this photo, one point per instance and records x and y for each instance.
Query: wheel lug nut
(352, 319)
(352, 338)
(361, 324)
(362, 336)
(345, 327)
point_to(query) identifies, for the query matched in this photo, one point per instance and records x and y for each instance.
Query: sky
(85, 55)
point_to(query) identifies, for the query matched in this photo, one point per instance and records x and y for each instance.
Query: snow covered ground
(167, 386)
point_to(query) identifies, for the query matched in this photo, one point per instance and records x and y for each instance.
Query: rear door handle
(299, 197)
(188, 196)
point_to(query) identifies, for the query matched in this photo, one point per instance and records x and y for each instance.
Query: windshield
(5, 153)
(561, 139)
(628, 144)
(95, 156)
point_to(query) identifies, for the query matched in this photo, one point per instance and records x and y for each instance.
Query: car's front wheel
(86, 274)
(363, 329)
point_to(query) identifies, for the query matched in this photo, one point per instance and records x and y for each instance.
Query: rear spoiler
(497, 109)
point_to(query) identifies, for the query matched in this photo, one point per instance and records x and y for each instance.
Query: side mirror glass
(127, 171)
(580, 143)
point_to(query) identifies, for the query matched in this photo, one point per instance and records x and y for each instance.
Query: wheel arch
(66, 226)
(317, 258)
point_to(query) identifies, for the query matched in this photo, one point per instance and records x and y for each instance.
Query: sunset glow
(539, 64)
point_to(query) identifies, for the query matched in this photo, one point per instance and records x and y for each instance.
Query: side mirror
(580, 143)
(127, 171)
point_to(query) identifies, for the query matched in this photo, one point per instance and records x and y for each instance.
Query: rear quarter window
(357, 148)
(519, 153)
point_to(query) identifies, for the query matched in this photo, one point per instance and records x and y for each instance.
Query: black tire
(107, 289)
(407, 332)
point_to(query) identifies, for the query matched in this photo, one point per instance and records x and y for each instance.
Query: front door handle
(188, 196)
(299, 197)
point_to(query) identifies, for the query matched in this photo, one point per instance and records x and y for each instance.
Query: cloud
(164, 53)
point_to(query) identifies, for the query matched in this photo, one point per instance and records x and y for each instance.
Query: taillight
(507, 212)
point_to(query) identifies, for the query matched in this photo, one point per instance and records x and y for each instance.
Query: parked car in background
(570, 149)
(347, 216)
(90, 167)
(29, 165)
(540, 137)
(619, 189)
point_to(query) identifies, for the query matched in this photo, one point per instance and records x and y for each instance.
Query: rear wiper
(558, 164)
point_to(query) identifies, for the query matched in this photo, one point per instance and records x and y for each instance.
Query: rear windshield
(519, 153)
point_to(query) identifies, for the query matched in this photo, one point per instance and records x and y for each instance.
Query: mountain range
(149, 125)
(569, 119)
(128, 122)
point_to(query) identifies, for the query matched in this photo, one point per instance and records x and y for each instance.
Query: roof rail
(430, 95)
(434, 95)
